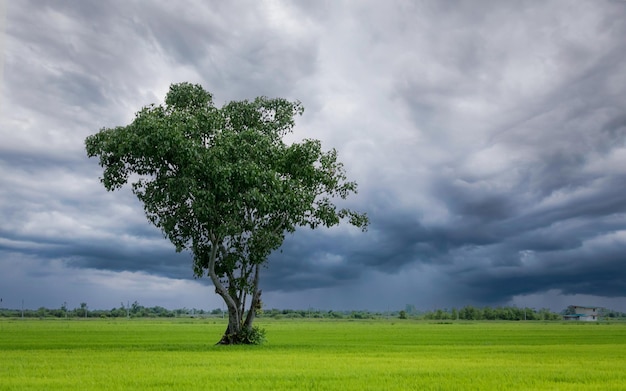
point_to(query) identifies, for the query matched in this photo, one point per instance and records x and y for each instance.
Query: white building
(583, 314)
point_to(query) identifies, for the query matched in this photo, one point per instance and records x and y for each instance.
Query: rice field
(180, 354)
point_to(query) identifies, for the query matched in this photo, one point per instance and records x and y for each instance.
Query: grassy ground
(312, 355)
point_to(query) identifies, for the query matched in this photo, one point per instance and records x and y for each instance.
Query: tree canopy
(222, 183)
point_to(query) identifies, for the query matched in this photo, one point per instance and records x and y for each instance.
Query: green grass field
(311, 355)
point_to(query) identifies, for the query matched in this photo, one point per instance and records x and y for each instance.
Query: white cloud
(53, 283)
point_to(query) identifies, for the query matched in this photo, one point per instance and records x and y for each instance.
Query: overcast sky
(488, 139)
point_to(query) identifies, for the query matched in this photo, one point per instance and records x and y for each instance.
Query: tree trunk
(255, 303)
(234, 317)
(238, 331)
(233, 330)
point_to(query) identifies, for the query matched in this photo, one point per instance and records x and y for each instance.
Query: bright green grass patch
(311, 355)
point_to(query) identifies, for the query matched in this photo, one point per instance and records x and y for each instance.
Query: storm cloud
(488, 139)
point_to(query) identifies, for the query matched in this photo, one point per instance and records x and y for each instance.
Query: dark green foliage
(246, 336)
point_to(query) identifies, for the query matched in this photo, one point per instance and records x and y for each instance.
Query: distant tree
(222, 183)
(137, 310)
(470, 313)
(440, 314)
(489, 313)
(335, 314)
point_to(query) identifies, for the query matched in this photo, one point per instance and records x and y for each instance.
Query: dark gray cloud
(488, 139)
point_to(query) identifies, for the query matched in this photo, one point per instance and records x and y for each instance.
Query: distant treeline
(135, 310)
(506, 313)
(488, 313)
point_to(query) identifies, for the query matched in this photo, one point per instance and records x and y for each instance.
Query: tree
(222, 183)
(470, 313)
